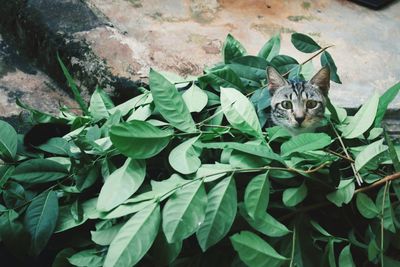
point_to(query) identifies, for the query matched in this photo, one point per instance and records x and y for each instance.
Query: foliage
(187, 174)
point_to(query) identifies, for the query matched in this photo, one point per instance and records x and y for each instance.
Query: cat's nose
(299, 120)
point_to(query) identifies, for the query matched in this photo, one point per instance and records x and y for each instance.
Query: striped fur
(298, 106)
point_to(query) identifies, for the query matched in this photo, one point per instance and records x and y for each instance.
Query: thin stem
(382, 218)
(339, 155)
(293, 246)
(188, 81)
(247, 170)
(47, 189)
(217, 126)
(353, 167)
(311, 58)
(388, 178)
(378, 172)
(211, 117)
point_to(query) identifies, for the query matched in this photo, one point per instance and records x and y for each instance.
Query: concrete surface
(183, 36)
(20, 79)
(113, 43)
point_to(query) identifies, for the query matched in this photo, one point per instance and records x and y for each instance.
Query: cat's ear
(321, 80)
(275, 80)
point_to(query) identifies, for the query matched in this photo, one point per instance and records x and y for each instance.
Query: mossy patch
(306, 5)
(300, 18)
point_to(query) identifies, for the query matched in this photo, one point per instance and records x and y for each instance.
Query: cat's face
(298, 106)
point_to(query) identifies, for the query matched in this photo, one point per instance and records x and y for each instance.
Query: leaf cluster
(187, 174)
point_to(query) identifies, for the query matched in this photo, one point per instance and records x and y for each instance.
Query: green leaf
(176, 79)
(184, 212)
(240, 112)
(293, 196)
(304, 43)
(121, 184)
(220, 213)
(305, 142)
(374, 133)
(253, 149)
(36, 171)
(271, 48)
(330, 250)
(265, 223)
(169, 103)
(56, 145)
(5, 174)
(164, 253)
(86, 177)
(141, 113)
(12, 232)
(212, 172)
(240, 160)
(320, 229)
(167, 187)
(368, 153)
(384, 102)
(363, 119)
(222, 77)
(366, 206)
(334, 116)
(104, 237)
(61, 259)
(135, 238)
(73, 87)
(89, 209)
(294, 73)
(127, 208)
(232, 48)
(283, 63)
(373, 250)
(66, 221)
(276, 132)
(307, 70)
(251, 70)
(195, 98)
(132, 103)
(392, 152)
(38, 116)
(327, 60)
(343, 194)
(184, 158)
(388, 262)
(85, 258)
(99, 105)
(40, 220)
(139, 139)
(256, 196)
(254, 251)
(8, 141)
(383, 202)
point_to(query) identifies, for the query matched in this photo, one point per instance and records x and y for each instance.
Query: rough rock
(19, 79)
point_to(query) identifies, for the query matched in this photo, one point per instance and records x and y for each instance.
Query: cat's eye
(286, 104)
(311, 104)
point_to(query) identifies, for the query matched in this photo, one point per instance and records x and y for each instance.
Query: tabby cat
(298, 105)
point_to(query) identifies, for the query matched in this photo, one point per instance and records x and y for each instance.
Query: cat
(298, 106)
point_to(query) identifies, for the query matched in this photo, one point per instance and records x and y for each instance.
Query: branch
(388, 178)
(353, 167)
(339, 155)
(311, 58)
(384, 180)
